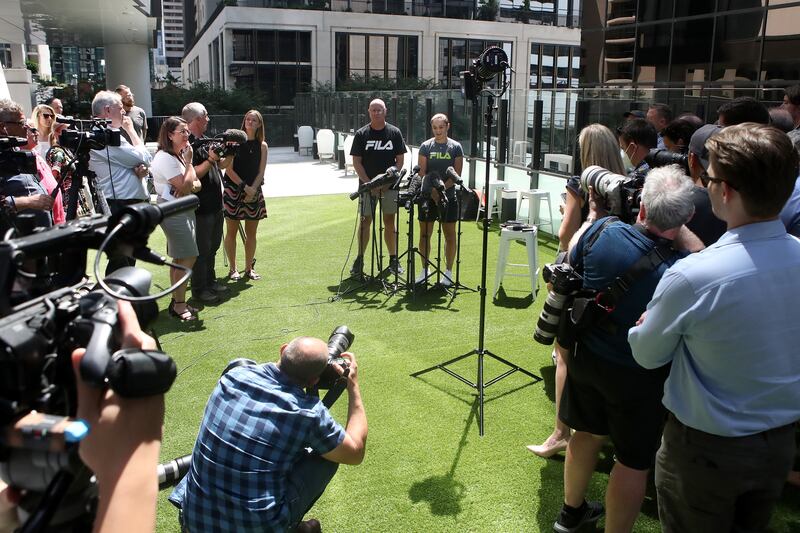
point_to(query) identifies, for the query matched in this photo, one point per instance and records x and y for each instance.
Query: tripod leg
(480, 393)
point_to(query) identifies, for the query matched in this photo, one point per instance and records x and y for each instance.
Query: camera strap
(614, 293)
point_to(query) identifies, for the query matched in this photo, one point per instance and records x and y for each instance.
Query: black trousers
(208, 231)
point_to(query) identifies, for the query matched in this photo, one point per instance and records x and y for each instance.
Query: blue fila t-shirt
(440, 156)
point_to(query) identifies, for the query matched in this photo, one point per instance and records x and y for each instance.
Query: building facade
(282, 51)
(690, 43)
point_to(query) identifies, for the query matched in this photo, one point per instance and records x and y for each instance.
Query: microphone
(415, 170)
(378, 181)
(233, 136)
(453, 176)
(141, 219)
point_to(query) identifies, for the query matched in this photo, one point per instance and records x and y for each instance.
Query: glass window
(737, 47)
(265, 45)
(243, 45)
(548, 65)
(691, 51)
(576, 67)
(562, 66)
(304, 52)
(654, 10)
(781, 44)
(534, 80)
(652, 53)
(592, 44)
(686, 8)
(287, 46)
(377, 55)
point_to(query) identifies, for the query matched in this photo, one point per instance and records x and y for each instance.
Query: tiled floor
(291, 174)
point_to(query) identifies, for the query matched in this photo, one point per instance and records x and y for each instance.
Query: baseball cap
(697, 144)
(637, 113)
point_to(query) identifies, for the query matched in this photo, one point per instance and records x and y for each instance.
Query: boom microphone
(390, 176)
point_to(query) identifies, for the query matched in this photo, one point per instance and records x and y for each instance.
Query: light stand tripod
(492, 61)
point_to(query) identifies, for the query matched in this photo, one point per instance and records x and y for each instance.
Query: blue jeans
(308, 480)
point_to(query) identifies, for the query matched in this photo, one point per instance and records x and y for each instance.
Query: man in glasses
(119, 169)
(20, 192)
(726, 321)
(704, 223)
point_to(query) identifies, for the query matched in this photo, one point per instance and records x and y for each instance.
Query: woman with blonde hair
(598, 146)
(44, 120)
(174, 177)
(243, 198)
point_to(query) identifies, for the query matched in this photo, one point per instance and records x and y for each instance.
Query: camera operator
(210, 219)
(250, 467)
(21, 193)
(726, 320)
(636, 138)
(376, 147)
(119, 169)
(606, 392)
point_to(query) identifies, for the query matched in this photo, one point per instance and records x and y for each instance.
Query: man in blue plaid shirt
(251, 470)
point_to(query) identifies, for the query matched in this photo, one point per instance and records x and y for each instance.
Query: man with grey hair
(208, 166)
(119, 169)
(251, 470)
(608, 395)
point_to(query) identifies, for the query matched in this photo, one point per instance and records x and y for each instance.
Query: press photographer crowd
(669, 309)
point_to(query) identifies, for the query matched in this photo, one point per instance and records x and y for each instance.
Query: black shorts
(604, 398)
(429, 211)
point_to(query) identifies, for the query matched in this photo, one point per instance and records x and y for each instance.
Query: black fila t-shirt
(378, 148)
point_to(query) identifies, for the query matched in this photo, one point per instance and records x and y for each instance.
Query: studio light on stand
(491, 63)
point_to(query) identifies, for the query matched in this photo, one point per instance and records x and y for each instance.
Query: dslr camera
(85, 135)
(566, 284)
(622, 195)
(339, 342)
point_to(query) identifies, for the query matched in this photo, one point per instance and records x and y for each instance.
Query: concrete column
(129, 64)
(17, 55)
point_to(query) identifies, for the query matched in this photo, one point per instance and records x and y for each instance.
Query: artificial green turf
(426, 468)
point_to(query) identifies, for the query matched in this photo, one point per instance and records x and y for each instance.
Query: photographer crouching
(251, 470)
(606, 393)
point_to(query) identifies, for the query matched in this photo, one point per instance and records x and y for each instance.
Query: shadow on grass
(423, 299)
(444, 493)
(368, 293)
(512, 302)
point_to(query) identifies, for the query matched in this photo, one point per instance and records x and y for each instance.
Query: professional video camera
(661, 157)
(622, 195)
(566, 283)
(85, 135)
(492, 61)
(225, 144)
(40, 327)
(13, 161)
(391, 177)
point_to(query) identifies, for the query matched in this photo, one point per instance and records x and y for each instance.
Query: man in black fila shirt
(376, 147)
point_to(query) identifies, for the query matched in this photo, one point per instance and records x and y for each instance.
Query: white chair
(305, 138)
(529, 238)
(491, 203)
(325, 141)
(535, 199)
(348, 159)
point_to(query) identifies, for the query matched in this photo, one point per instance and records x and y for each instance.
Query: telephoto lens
(566, 282)
(339, 341)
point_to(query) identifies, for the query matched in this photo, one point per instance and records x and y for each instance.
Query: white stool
(535, 198)
(494, 186)
(529, 238)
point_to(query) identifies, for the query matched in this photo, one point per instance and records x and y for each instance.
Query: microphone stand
(481, 350)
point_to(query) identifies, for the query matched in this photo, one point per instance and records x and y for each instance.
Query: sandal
(252, 274)
(234, 275)
(186, 316)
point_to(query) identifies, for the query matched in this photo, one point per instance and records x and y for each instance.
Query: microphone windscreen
(234, 135)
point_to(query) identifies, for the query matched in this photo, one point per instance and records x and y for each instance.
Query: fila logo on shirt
(378, 145)
(439, 155)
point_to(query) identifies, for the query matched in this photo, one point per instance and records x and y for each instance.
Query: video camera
(225, 144)
(14, 161)
(42, 324)
(621, 194)
(85, 135)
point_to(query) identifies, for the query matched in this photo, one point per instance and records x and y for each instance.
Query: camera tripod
(481, 350)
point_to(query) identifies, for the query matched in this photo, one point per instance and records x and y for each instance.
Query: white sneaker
(447, 279)
(422, 277)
